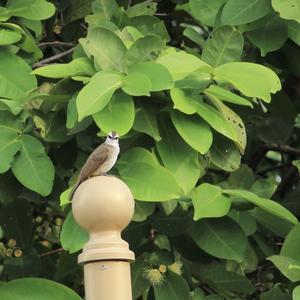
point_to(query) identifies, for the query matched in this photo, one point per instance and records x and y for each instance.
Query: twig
(53, 58)
(282, 149)
(56, 43)
(52, 252)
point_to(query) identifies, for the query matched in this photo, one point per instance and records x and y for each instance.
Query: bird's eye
(116, 138)
(110, 137)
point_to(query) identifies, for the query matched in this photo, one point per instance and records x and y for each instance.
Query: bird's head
(112, 138)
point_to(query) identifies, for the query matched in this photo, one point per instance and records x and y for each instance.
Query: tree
(204, 96)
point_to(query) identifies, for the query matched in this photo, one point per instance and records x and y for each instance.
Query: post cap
(104, 206)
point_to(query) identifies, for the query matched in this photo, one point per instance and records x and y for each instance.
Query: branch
(52, 58)
(52, 252)
(56, 43)
(282, 148)
(290, 178)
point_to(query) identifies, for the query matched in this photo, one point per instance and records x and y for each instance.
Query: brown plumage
(100, 161)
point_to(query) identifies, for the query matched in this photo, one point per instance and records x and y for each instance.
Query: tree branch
(56, 43)
(52, 58)
(52, 252)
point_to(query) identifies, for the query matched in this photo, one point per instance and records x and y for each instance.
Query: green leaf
(294, 31)
(288, 9)
(194, 36)
(225, 45)
(141, 9)
(173, 62)
(145, 121)
(78, 66)
(266, 204)
(234, 122)
(8, 37)
(15, 78)
(72, 236)
(183, 102)
(97, 93)
(178, 157)
(277, 32)
(138, 281)
(150, 182)
(224, 154)
(245, 220)
(252, 80)
(33, 160)
(144, 49)
(105, 7)
(77, 10)
(174, 287)
(36, 289)
(206, 11)
(290, 247)
(237, 12)
(4, 14)
(296, 293)
(107, 48)
(136, 84)
(159, 76)
(289, 267)
(11, 105)
(117, 115)
(220, 237)
(243, 178)
(195, 81)
(193, 130)
(31, 9)
(226, 95)
(10, 130)
(209, 202)
(137, 154)
(142, 210)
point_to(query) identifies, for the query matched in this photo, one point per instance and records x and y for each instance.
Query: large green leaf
(15, 78)
(137, 84)
(277, 32)
(227, 96)
(107, 48)
(145, 121)
(138, 281)
(237, 12)
(266, 204)
(36, 289)
(72, 236)
(8, 36)
(142, 210)
(224, 154)
(225, 45)
(183, 102)
(289, 267)
(150, 182)
(159, 76)
(294, 31)
(290, 247)
(251, 79)
(233, 121)
(209, 202)
(206, 11)
(117, 115)
(97, 93)
(173, 62)
(31, 9)
(144, 49)
(296, 293)
(105, 7)
(77, 67)
(32, 166)
(10, 130)
(193, 130)
(178, 157)
(174, 287)
(288, 9)
(221, 237)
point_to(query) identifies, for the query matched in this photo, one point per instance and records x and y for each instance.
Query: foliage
(204, 97)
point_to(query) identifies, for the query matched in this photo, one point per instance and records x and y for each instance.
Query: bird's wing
(94, 161)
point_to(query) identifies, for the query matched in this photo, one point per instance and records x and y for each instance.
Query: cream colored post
(104, 206)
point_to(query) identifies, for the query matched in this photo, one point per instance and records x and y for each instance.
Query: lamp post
(104, 206)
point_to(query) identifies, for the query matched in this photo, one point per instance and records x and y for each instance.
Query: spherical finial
(103, 203)
(104, 206)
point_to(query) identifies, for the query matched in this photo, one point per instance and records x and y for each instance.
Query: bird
(100, 161)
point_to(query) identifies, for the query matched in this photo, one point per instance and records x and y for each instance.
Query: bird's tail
(74, 189)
